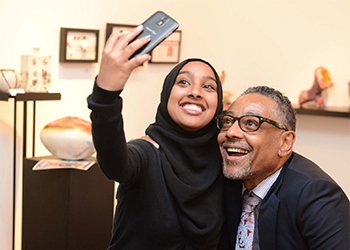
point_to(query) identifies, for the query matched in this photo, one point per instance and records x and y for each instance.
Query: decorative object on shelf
(9, 79)
(36, 72)
(322, 81)
(68, 138)
(79, 45)
(168, 51)
(349, 91)
(227, 100)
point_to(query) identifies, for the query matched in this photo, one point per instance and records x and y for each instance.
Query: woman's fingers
(137, 61)
(112, 41)
(115, 66)
(117, 42)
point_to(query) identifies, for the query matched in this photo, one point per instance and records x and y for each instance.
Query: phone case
(159, 26)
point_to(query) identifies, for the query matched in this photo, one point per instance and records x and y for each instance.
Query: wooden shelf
(329, 111)
(31, 96)
(4, 96)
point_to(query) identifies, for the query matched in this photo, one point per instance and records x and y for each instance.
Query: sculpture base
(66, 208)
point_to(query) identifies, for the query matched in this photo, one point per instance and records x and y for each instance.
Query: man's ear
(286, 143)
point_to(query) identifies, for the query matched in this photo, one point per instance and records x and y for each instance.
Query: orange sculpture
(322, 81)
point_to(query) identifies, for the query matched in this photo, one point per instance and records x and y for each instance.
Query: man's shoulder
(299, 175)
(304, 168)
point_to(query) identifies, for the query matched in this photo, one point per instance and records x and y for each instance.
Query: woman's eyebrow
(191, 74)
(210, 78)
(185, 72)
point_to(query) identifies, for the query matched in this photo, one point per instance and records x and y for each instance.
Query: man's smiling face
(250, 156)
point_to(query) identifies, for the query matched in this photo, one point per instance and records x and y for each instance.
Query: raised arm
(106, 105)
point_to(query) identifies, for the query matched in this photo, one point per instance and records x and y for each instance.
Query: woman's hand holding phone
(115, 67)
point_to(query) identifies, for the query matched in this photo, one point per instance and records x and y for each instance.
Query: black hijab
(191, 164)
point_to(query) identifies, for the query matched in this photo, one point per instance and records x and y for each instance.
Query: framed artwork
(79, 45)
(168, 51)
(117, 28)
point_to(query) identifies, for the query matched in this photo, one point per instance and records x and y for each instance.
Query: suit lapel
(267, 222)
(268, 212)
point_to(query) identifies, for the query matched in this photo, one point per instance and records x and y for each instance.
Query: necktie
(245, 233)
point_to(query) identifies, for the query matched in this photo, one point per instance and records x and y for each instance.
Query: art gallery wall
(271, 42)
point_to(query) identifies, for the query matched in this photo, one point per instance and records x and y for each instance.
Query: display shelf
(4, 96)
(24, 97)
(66, 208)
(31, 96)
(329, 111)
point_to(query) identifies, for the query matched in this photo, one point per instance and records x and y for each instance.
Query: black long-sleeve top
(146, 216)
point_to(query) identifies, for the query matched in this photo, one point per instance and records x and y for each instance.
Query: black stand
(66, 209)
(25, 98)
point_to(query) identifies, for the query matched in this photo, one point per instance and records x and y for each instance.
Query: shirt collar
(263, 187)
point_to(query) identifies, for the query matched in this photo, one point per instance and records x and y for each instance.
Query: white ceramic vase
(68, 138)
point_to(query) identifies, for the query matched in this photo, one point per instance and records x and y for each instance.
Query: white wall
(273, 42)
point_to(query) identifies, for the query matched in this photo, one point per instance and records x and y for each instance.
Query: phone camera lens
(162, 21)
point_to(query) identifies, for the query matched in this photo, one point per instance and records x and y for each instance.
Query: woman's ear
(286, 143)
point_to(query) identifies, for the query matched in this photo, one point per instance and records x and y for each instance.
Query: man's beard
(242, 174)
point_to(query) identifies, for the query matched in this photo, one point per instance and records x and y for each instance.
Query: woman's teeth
(192, 107)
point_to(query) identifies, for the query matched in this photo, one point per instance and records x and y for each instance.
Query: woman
(171, 197)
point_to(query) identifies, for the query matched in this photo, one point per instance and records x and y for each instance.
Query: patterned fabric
(245, 233)
(263, 187)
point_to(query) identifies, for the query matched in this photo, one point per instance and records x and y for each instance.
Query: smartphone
(159, 26)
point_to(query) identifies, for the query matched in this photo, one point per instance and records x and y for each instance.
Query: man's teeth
(237, 150)
(192, 107)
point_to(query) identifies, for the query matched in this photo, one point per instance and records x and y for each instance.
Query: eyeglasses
(248, 123)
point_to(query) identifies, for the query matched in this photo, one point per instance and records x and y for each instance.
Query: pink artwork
(322, 81)
(349, 91)
(227, 95)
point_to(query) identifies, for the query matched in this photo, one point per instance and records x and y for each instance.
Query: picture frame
(167, 52)
(79, 45)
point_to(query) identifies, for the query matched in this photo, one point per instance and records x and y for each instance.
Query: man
(295, 204)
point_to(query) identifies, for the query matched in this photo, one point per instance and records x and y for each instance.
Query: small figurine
(323, 80)
(226, 95)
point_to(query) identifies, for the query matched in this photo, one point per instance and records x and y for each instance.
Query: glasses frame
(261, 120)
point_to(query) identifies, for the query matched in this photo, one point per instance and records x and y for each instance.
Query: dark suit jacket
(304, 209)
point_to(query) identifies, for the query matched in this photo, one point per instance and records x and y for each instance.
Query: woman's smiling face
(193, 99)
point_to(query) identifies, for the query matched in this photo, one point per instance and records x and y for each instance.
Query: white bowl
(9, 79)
(68, 138)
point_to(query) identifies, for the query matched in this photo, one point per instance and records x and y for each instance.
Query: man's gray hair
(284, 107)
